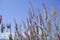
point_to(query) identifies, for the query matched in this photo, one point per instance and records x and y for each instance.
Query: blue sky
(18, 9)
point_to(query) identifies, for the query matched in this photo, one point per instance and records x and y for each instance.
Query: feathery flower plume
(41, 20)
(36, 26)
(45, 11)
(32, 9)
(53, 12)
(37, 29)
(30, 13)
(55, 16)
(30, 16)
(49, 25)
(36, 20)
(16, 25)
(41, 23)
(49, 29)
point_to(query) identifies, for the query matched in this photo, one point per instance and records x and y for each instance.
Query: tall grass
(35, 27)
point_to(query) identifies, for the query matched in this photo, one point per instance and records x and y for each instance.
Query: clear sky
(18, 9)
